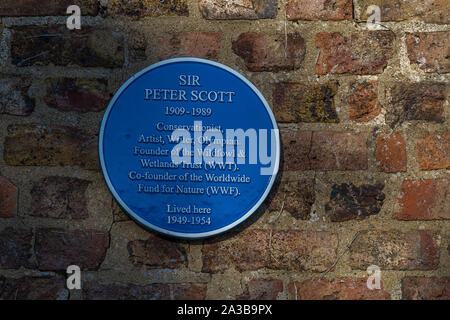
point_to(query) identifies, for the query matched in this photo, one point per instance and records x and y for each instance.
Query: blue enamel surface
(129, 116)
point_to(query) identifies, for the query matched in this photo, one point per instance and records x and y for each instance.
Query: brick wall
(364, 120)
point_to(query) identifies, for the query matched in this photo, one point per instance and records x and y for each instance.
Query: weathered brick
(188, 291)
(40, 145)
(278, 250)
(88, 47)
(296, 146)
(430, 50)
(397, 10)
(319, 10)
(198, 44)
(98, 291)
(14, 97)
(137, 46)
(156, 291)
(157, 252)
(433, 151)
(15, 248)
(80, 95)
(238, 9)
(415, 101)
(33, 288)
(323, 150)
(338, 151)
(295, 197)
(262, 289)
(60, 198)
(338, 289)
(366, 52)
(296, 102)
(248, 250)
(8, 198)
(56, 249)
(18, 8)
(424, 200)
(264, 52)
(395, 250)
(390, 153)
(426, 288)
(303, 250)
(349, 202)
(363, 103)
(148, 8)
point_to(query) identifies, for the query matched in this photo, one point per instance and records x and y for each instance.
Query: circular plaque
(189, 147)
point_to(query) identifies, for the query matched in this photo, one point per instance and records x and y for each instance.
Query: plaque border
(140, 220)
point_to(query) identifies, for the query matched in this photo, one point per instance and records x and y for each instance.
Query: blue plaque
(189, 147)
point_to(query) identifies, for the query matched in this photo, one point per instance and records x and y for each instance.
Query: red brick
(430, 50)
(56, 249)
(426, 288)
(157, 252)
(156, 291)
(41, 145)
(262, 289)
(198, 44)
(33, 288)
(80, 95)
(18, 8)
(435, 11)
(366, 52)
(88, 47)
(391, 153)
(14, 97)
(297, 102)
(319, 10)
(363, 103)
(60, 198)
(296, 146)
(338, 151)
(277, 250)
(339, 289)
(264, 52)
(245, 9)
(147, 8)
(349, 202)
(395, 250)
(8, 198)
(433, 151)
(294, 196)
(424, 200)
(15, 248)
(422, 101)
